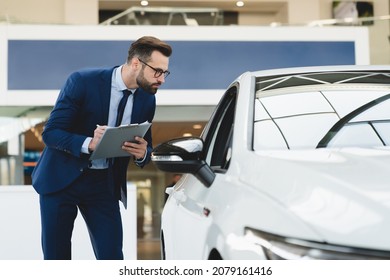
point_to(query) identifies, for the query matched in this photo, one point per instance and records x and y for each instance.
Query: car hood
(342, 195)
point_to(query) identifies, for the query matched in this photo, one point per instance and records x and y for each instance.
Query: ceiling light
(144, 3)
(240, 3)
(275, 24)
(197, 126)
(187, 134)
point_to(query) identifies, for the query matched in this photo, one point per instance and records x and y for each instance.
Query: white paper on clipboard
(112, 140)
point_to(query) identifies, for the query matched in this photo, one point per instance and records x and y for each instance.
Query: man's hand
(97, 135)
(137, 148)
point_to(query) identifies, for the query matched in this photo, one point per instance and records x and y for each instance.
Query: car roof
(322, 76)
(326, 68)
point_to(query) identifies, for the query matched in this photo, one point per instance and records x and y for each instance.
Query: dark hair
(144, 47)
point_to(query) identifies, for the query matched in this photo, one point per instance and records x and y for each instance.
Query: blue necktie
(121, 106)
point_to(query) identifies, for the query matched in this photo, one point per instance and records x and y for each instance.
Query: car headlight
(277, 247)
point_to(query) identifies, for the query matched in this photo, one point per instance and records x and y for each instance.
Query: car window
(383, 130)
(368, 128)
(306, 119)
(219, 136)
(351, 135)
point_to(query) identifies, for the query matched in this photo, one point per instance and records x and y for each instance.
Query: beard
(145, 85)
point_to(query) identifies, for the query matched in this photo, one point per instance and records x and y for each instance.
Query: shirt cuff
(139, 161)
(84, 147)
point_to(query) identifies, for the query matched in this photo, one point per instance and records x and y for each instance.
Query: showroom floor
(148, 249)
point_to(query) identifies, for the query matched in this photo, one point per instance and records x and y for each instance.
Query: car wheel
(215, 255)
(163, 257)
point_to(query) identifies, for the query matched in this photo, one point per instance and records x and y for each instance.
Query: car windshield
(322, 110)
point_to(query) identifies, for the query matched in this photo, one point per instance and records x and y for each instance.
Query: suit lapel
(105, 94)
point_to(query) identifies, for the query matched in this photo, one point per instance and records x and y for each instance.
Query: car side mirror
(183, 155)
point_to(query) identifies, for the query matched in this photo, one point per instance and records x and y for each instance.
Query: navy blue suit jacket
(83, 103)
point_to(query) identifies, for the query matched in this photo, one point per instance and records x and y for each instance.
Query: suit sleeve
(63, 128)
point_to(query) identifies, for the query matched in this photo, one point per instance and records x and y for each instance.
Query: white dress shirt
(117, 86)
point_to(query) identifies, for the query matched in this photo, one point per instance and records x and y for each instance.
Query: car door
(188, 203)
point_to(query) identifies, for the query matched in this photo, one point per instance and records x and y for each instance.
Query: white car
(293, 164)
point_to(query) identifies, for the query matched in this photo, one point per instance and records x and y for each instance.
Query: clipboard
(110, 144)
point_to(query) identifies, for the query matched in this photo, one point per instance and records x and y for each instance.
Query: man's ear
(135, 62)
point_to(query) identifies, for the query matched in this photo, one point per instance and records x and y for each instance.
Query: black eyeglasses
(158, 72)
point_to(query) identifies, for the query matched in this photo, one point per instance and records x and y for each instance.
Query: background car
(293, 164)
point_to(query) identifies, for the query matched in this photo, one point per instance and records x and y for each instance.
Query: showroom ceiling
(249, 5)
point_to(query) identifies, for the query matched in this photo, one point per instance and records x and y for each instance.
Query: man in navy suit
(66, 180)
